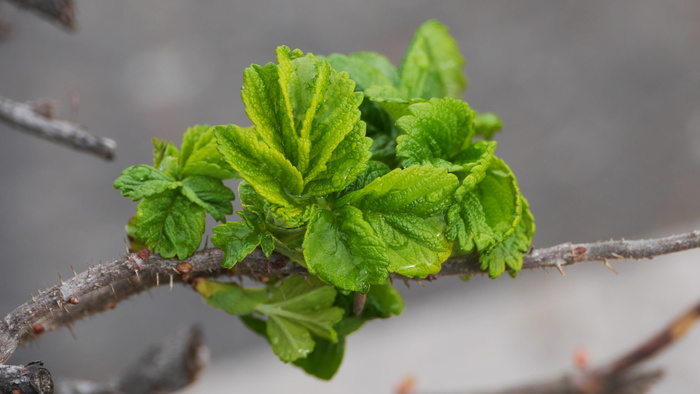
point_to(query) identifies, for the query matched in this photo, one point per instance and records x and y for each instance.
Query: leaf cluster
(352, 167)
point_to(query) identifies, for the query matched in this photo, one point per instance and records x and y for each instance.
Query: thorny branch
(30, 118)
(61, 11)
(102, 286)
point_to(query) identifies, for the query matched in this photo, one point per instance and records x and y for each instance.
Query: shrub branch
(103, 286)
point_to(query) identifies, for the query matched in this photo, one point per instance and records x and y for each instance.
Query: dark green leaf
(237, 240)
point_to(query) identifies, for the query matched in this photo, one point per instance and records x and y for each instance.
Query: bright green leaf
(170, 224)
(432, 65)
(210, 194)
(343, 250)
(435, 132)
(471, 164)
(267, 170)
(366, 69)
(305, 112)
(165, 157)
(199, 154)
(404, 209)
(509, 253)
(487, 214)
(487, 124)
(231, 297)
(141, 181)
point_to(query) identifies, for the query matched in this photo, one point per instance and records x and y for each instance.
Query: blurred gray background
(601, 105)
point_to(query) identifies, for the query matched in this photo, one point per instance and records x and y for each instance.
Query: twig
(82, 295)
(620, 375)
(61, 11)
(32, 378)
(37, 120)
(167, 367)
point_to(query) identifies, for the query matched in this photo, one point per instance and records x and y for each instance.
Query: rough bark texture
(32, 378)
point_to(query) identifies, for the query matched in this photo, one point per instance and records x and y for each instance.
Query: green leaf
(509, 253)
(487, 214)
(237, 240)
(374, 170)
(324, 361)
(199, 154)
(382, 130)
(267, 170)
(304, 112)
(404, 208)
(366, 69)
(170, 224)
(432, 65)
(141, 181)
(231, 297)
(343, 250)
(210, 194)
(435, 132)
(297, 309)
(472, 163)
(165, 157)
(487, 124)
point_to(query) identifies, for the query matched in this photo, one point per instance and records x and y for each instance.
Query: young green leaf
(487, 124)
(509, 253)
(170, 223)
(237, 240)
(404, 209)
(166, 157)
(487, 214)
(435, 132)
(199, 155)
(343, 250)
(296, 310)
(231, 297)
(308, 139)
(137, 182)
(432, 65)
(365, 68)
(210, 194)
(471, 164)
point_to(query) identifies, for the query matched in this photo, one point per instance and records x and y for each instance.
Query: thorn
(67, 311)
(206, 241)
(157, 280)
(72, 333)
(561, 270)
(617, 256)
(171, 282)
(113, 291)
(126, 245)
(137, 275)
(88, 272)
(407, 283)
(73, 269)
(59, 278)
(607, 265)
(51, 310)
(33, 299)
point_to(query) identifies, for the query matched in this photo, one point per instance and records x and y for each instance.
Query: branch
(101, 287)
(620, 375)
(38, 121)
(164, 368)
(32, 378)
(61, 11)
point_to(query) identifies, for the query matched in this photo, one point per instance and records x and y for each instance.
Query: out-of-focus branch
(164, 368)
(621, 375)
(32, 378)
(30, 118)
(61, 11)
(102, 286)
